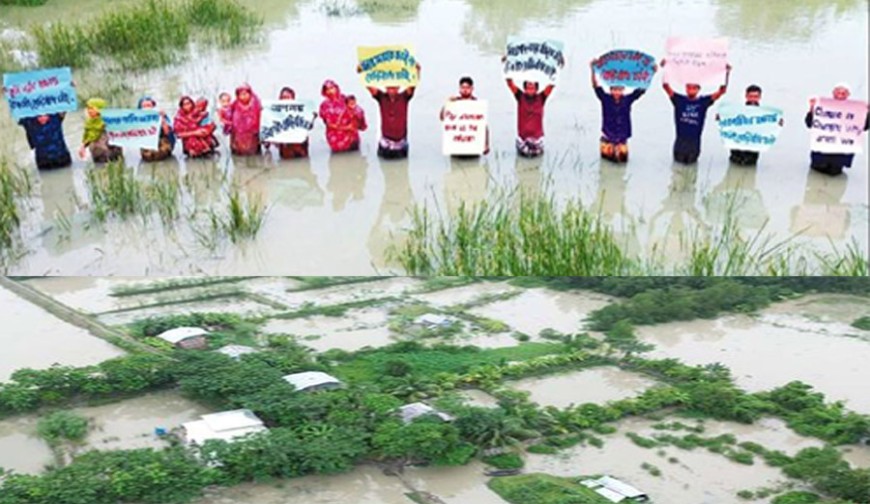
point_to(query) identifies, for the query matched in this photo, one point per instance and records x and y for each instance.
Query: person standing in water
(340, 134)
(166, 143)
(245, 129)
(95, 139)
(615, 117)
(45, 138)
(530, 116)
(291, 150)
(690, 113)
(832, 163)
(749, 158)
(394, 118)
(466, 92)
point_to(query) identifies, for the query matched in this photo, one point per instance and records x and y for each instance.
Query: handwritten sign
(133, 128)
(388, 66)
(534, 60)
(40, 92)
(749, 128)
(626, 68)
(286, 121)
(696, 61)
(838, 126)
(464, 127)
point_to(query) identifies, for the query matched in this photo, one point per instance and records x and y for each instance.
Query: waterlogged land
(534, 370)
(342, 213)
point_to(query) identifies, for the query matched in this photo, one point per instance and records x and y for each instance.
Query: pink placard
(838, 126)
(696, 61)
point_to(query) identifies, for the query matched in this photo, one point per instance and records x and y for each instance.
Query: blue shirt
(616, 115)
(689, 116)
(46, 139)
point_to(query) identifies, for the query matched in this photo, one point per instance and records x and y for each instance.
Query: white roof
(226, 425)
(610, 495)
(310, 379)
(415, 410)
(181, 333)
(618, 486)
(432, 319)
(236, 351)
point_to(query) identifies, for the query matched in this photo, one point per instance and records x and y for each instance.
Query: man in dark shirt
(530, 116)
(45, 137)
(615, 118)
(393, 105)
(831, 163)
(690, 113)
(741, 157)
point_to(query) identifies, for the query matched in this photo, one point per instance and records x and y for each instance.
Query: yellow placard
(387, 66)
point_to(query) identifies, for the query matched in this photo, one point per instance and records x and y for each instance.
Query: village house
(434, 321)
(188, 338)
(226, 426)
(615, 490)
(313, 381)
(236, 351)
(413, 411)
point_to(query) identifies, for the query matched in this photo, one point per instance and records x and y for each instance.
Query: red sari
(245, 124)
(338, 134)
(197, 139)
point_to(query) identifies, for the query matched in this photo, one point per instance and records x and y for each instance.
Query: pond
(596, 385)
(339, 214)
(537, 309)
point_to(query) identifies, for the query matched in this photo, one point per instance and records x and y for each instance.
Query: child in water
(225, 112)
(205, 121)
(354, 118)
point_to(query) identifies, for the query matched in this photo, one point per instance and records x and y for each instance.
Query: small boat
(502, 472)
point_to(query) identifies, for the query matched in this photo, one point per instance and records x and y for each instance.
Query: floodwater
(699, 476)
(88, 294)
(828, 314)
(231, 304)
(476, 397)
(352, 331)
(596, 385)
(338, 214)
(466, 293)
(123, 425)
(346, 293)
(537, 309)
(834, 365)
(33, 338)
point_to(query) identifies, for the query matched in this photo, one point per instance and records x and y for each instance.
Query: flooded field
(122, 425)
(537, 309)
(350, 292)
(355, 330)
(799, 354)
(459, 295)
(33, 338)
(230, 304)
(596, 385)
(338, 214)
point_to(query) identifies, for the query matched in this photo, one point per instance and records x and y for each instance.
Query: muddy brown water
(337, 214)
(597, 385)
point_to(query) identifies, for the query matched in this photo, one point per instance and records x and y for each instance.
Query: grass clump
(544, 489)
(242, 220)
(62, 426)
(14, 185)
(505, 461)
(23, 3)
(862, 323)
(114, 190)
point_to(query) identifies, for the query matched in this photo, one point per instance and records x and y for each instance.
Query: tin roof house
(413, 411)
(615, 490)
(313, 381)
(236, 351)
(226, 426)
(188, 338)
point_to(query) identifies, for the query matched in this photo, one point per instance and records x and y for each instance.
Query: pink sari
(245, 124)
(332, 111)
(197, 139)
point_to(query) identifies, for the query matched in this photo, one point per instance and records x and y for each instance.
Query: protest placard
(838, 126)
(387, 66)
(696, 61)
(286, 121)
(749, 128)
(626, 68)
(39, 92)
(133, 128)
(464, 127)
(534, 60)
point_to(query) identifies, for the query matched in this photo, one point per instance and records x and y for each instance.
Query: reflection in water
(397, 200)
(678, 212)
(396, 12)
(822, 214)
(778, 19)
(466, 182)
(347, 178)
(490, 23)
(610, 202)
(737, 196)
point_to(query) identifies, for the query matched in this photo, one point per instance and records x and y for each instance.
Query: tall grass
(522, 235)
(23, 3)
(14, 185)
(149, 35)
(240, 220)
(114, 191)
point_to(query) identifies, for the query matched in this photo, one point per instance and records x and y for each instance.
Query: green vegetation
(862, 323)
(241, 220)
(62, 426)
(115, 191)
(14, 185)
(522, 235)
(28, 3)
(796, 497)
(223, 328)
(652, 469)
(505, 461)
(175, 284)
(544, 489)
(149, 35)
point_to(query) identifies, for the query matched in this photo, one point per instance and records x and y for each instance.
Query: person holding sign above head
(466, 92)
(690, 113)
(95, 139)
(616, 117)
(167, 135)
(45, 137)
(827, 118)
(393, 105)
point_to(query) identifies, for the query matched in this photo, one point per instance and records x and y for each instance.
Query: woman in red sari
(340, 132)
(245, 123)
(197, 138)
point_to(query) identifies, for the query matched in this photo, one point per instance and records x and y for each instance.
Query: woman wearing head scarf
(341, 135)
(95, 137)
(832, 163)
(194, 130)
(245, 123)
(291, 150)
(167, 135)
(45, 137)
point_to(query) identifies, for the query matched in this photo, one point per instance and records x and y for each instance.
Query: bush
(505, 461)
(62, 426)
(542, 449)
(797, 497)
(862, 323)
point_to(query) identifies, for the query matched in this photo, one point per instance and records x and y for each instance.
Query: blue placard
(749, 128)
(40, 92)
(626, 68)
(134, 128)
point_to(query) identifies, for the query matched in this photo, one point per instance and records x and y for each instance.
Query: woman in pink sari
(340, 131)
(197, 138)
(245, 123)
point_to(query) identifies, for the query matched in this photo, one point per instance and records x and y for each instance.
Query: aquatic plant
(241, 220)
(62, 426)
(14, 184)
(114, 190)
